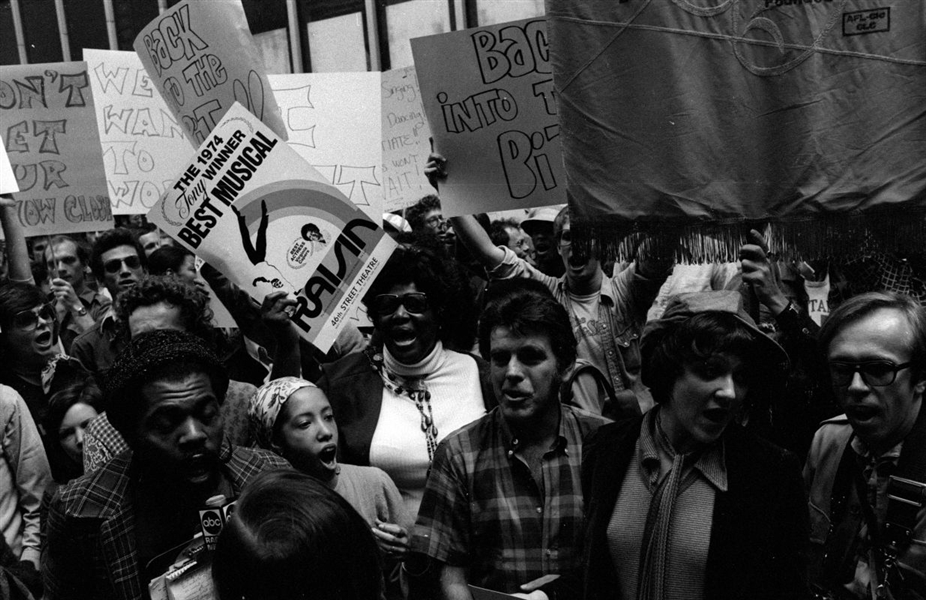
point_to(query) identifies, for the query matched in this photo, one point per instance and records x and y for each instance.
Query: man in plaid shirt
(111, 531)
(503, 504)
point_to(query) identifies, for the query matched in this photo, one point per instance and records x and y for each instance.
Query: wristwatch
(82, 311)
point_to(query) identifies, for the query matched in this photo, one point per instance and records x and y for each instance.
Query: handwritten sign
(202, 58)
(406, 140)
(250, 206)
(333, 123)
(144, 147)
(7, 179)
(493, 116)
(51, 138)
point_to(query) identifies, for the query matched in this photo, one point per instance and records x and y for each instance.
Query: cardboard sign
(251, 207)
(144, 147)
(493, 116)
(333, 122)
(51, 139)
(406, 140)
(202, 58)
(8, 183)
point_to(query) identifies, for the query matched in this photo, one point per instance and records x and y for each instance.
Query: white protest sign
(51, 139)
(493, 116)
(406, 140)
(333, 122)
(7, 179)
(202, 58)
(252, 208)
(144, 148)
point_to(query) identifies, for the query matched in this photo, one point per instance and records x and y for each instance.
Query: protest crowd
(517, 411)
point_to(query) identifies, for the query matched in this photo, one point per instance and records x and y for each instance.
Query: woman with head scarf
(293, 418)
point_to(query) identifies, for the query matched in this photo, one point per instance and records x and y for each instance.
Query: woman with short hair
(414, 384)
(683, 503)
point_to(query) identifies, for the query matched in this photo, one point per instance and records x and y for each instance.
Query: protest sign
(406, 140)
(7, 180)
(488, 94)
(333, 122)
(252, 208)
(202, 58)
(807, 114)
(51, 139)
(144, 148)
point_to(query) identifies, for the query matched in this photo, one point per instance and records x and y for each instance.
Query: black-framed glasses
(437, 222)
(28, 320)
(875, 373)
(113, 265)
(565, 238)
(414, 302)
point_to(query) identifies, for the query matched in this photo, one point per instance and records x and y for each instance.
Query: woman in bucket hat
(683, 502)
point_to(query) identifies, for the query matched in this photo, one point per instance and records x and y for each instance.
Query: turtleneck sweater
(399, 446)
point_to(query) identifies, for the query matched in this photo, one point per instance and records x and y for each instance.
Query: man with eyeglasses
(866, 471)
(425, 215)
(118, 262)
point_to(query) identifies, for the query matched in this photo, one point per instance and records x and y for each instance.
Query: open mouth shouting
(328, 457)
(716, 415)
(861, 413)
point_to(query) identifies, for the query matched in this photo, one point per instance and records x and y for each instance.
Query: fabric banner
(406, 140)
(50, 134)
(252, 208)
(144, 148)
(488, 94)
(202, 59)
(332, 120)
(806, 113)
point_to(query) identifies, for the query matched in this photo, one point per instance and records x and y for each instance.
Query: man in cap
(539, 226)
(108, 530)
(866, 471)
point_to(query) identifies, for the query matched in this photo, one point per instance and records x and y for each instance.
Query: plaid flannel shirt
(483, 509)
(90, 548)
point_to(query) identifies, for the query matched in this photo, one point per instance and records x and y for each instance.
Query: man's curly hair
(192, 302)
(415, 213)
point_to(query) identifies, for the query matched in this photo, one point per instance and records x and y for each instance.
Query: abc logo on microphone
(211, 522)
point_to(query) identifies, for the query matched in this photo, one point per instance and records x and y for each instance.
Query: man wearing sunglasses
(866, 471)
(118, 262)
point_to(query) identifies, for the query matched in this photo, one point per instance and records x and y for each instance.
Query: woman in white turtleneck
(398, 399)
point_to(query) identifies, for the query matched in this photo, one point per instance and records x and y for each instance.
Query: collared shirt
(90, 549)
(96, 349)
(612, 342)
(96, 304)
(876, 471)
(24, 476)
(832, 534)
(482, 507)
(704, 475)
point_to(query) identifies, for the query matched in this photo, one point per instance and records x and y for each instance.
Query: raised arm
(20, 269)
(477, 241)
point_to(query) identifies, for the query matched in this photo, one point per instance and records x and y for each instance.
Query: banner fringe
(899, 231)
